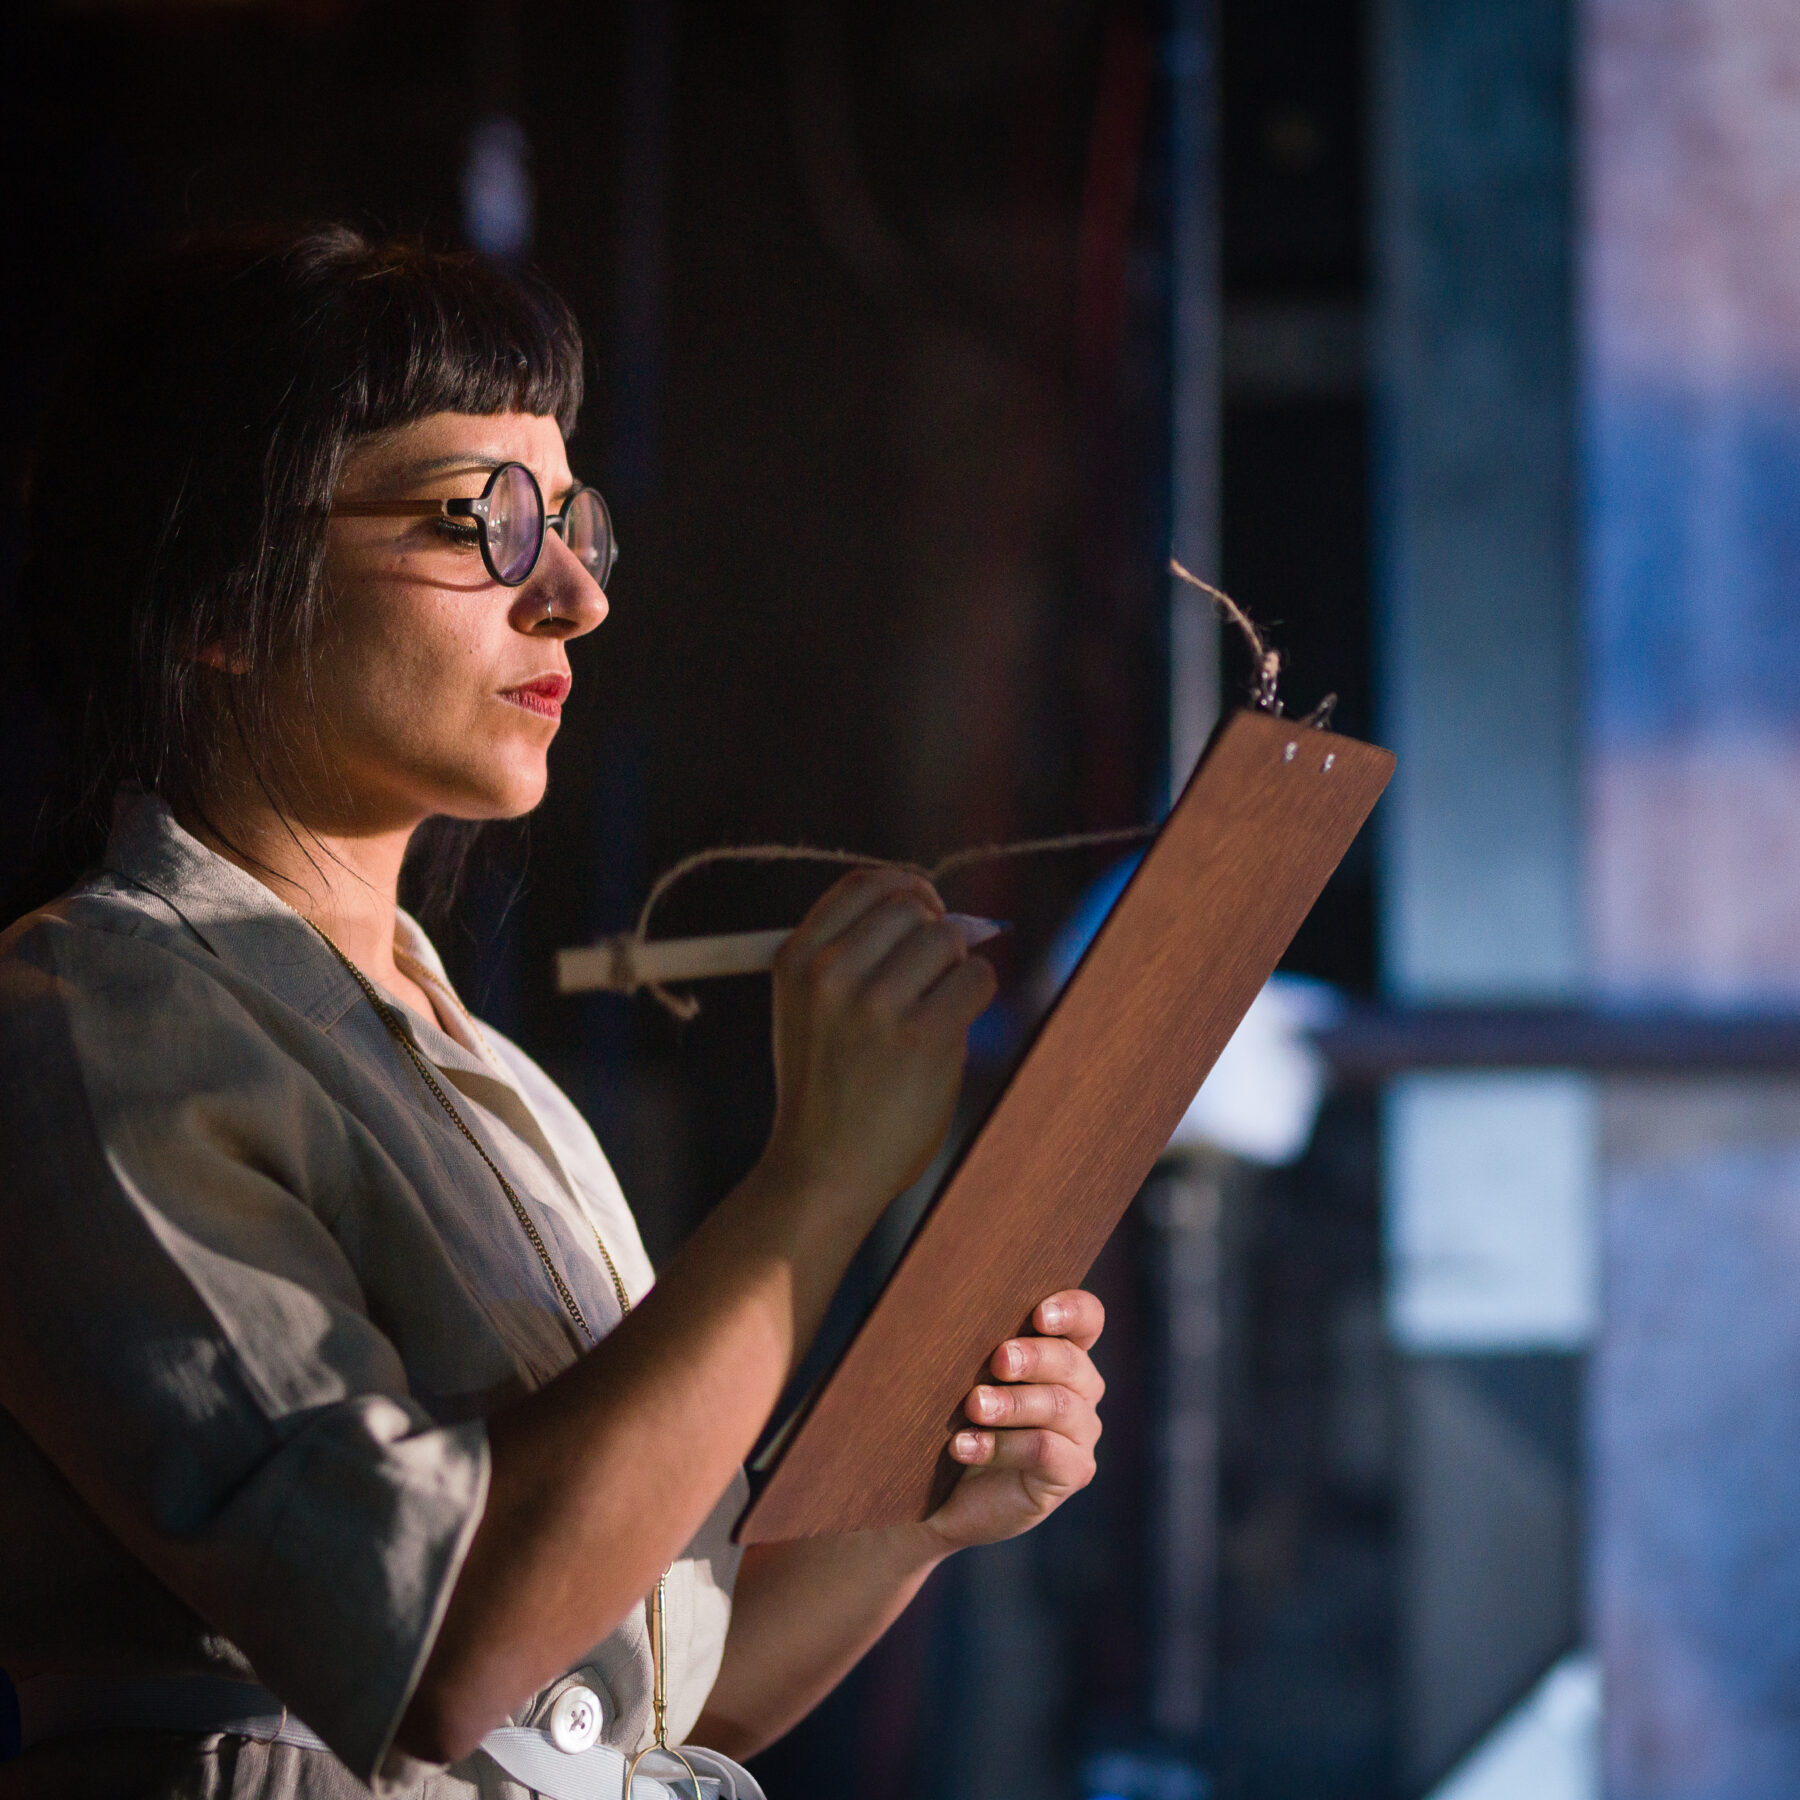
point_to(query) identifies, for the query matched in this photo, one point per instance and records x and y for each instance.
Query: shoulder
(106, 943)
(111, 1008)
(98, 918)
(142, 1085)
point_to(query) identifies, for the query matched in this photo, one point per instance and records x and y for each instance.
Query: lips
(543, 696)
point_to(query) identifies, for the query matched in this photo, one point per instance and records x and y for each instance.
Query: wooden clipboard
(1023, 1212)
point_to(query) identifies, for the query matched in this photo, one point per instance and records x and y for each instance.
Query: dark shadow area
(877, 321)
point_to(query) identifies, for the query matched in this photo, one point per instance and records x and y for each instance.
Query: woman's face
(438, 690)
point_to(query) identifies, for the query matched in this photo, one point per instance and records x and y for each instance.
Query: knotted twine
(685, 1006)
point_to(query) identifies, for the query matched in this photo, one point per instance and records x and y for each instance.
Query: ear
(227, 662)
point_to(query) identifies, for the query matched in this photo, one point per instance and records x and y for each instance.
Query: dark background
(876, 305)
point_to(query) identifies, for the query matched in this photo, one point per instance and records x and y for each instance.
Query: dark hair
(178, 497)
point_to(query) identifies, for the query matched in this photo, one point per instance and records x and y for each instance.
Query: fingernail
(1012, 1358)
(986, 1401)
(1054, 1315)
(968, 1444)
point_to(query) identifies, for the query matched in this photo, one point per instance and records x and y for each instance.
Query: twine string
(1267, 661)
(685, 1006)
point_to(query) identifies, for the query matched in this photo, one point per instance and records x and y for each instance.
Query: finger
(1048, 1359)
(848, 899)
(1043, 1456)
(859, 951)
(1072, 1314)
(916, 962)
(1047, 1404)
(958, 998)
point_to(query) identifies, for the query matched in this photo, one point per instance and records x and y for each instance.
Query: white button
(575, 1720)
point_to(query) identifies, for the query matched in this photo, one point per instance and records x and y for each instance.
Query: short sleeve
(184, 1337)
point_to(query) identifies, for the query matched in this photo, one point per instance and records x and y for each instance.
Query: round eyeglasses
(510, 519)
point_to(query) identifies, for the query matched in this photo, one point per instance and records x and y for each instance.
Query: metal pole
(1185, 1208)
(1194, 378)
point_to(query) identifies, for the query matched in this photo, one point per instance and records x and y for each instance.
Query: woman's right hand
(874, 995)
(610, 1468)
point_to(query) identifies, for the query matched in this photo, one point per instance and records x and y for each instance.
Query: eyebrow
(467, 463)
(436, 465)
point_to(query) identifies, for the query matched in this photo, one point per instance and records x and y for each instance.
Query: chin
(504, 793)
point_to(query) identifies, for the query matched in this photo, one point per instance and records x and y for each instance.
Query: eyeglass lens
(515, 523)
(588, 532)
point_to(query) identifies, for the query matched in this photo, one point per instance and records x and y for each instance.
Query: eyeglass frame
(477, 509)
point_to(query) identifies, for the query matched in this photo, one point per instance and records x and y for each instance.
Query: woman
(341, 1424)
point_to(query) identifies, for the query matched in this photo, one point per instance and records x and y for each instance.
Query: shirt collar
(244, 923)
(252, 929)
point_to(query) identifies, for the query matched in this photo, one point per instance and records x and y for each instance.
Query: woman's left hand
(1032, 1430)
(806, 1610)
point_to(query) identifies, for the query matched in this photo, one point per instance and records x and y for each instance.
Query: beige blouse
(257, 1298)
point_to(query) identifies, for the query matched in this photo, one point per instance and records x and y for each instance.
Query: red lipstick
(543, 696)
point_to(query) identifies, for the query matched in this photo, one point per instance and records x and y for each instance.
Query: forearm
(599, 1480)
(804, 1614)
(602, 1477)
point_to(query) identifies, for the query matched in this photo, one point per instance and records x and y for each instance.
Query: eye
(459, 531)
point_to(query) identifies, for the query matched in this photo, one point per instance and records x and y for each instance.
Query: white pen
(621, 964)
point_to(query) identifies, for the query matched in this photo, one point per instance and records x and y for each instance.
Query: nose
(562, 599)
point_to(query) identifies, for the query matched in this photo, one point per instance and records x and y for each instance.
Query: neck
(345, 882)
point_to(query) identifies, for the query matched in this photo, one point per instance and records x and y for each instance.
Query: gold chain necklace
(398, 1032)
(657, 1604)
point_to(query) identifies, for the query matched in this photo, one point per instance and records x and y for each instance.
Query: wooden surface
(1224, 887)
